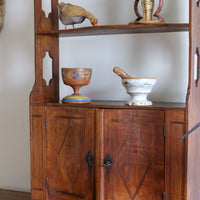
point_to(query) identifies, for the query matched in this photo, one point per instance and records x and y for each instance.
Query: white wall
(161, 55)
(16, 80)
(164, 56)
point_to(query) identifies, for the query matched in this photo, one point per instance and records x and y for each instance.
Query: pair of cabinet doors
(104, 154)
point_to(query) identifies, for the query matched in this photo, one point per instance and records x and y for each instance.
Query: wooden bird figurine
(72, 14)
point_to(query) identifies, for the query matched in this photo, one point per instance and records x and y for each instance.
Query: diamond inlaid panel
(70, 136)
(132, 153)
(134, 139)
(70, 154)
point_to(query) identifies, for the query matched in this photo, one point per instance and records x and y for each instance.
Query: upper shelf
(118, 29)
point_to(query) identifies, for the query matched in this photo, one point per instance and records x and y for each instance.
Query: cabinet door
(70, 151)
(132, 155)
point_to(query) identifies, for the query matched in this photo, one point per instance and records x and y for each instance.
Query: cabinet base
(146, 22)
(76, 99)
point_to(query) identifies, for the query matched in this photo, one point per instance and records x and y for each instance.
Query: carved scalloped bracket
(41, 91)
(43, 23)
(197, 67)
(47, 68)
(46, 7)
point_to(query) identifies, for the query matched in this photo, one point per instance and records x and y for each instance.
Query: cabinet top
(116, 104)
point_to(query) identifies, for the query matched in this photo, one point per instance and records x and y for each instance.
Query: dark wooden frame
(47, 39)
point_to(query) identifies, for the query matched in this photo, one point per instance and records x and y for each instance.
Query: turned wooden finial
(147, 6)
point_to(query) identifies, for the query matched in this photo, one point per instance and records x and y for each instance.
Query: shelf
(118, 29)
(118, 105)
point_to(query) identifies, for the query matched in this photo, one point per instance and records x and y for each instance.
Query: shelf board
(118, 29)
(117, 104)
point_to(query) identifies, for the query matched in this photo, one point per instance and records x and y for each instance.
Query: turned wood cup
(76, 78)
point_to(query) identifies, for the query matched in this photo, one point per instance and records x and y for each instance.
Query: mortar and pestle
(137, 88)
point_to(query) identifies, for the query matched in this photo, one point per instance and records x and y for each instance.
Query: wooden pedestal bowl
(76, 78)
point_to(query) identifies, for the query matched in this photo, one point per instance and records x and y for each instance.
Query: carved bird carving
(72, 14)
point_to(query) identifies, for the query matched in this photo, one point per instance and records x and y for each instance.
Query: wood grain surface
(14, 195)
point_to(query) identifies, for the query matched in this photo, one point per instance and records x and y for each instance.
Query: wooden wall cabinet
(108, 150)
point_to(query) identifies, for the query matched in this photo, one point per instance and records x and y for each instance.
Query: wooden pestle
(121, 73)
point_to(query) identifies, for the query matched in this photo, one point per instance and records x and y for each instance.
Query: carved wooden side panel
(175, 156)
(193, 95)
(41, 90)
(193, 105)
(132, 155)
(41, 22)
(70, 153)
(38, 137)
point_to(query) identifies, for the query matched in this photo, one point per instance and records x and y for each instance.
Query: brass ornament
(147, 8)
